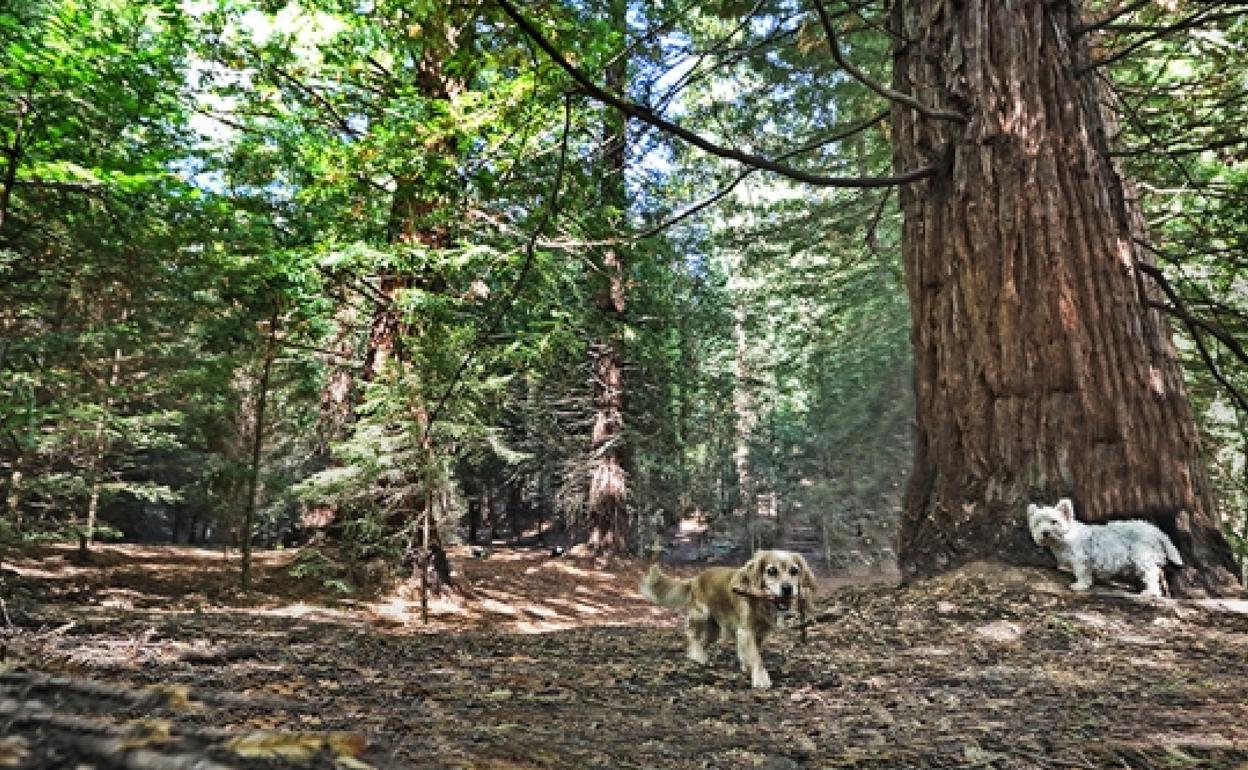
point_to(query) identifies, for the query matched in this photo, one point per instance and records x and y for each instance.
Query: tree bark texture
(1040, 369)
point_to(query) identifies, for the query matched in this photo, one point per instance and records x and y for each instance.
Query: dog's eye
(794, 570)
(773, 570)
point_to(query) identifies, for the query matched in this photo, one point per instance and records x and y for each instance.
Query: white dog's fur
(1102, 551)
(772, 582)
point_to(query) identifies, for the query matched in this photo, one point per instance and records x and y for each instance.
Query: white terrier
(1118, 549)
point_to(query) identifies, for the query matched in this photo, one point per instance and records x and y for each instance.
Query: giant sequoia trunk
(1040, 369)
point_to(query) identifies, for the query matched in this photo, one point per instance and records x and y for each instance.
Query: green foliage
(314, 565)
(361, 202)
(1183, 111)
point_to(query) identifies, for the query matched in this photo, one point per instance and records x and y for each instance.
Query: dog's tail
(665, 591)
(1172, 553)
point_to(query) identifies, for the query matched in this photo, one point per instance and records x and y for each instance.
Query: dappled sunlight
(526, 590)
(299, 610)
(165, 576)
(578, 607)
(989, 656)
(565, 566)
(497, 607)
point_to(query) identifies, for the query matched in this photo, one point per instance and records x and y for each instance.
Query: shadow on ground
(557, 664)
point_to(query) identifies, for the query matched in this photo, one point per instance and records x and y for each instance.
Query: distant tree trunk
(416, 202)
(1040, 368)
(338, 396)
(383, 332)
(474, 519)
(257, 451)
(99, 450)
(13, 155)
(743, 404)
(608, 486)
(12, 488)
(13, 492)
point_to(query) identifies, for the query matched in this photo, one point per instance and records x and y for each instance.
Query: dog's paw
(698, 655)
(1079, 585)
(761, 680)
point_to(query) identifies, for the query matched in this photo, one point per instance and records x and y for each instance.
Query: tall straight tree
(608, 484)
(1041, 369)
(1042, 366)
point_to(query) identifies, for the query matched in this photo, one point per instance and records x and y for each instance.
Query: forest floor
(147, 658)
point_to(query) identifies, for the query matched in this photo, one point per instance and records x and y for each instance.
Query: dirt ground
(148, 658)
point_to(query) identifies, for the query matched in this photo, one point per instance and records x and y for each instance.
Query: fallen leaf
(145, 733)
(13, 751)
(265, 744)
(174, 696)
(346, 744)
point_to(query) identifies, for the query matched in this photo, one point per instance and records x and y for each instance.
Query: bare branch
(711, 200)
(338, 120)
(1110, 18)
(1195, 326)
(84, 188)
(648, 116)
(879, 88)
(1159, 33)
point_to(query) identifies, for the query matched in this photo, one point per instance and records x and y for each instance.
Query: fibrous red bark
(1041, 371)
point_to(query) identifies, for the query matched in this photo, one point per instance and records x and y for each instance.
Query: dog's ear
(1066, 508)
(810, 589)
(750, 577)
(1032, 510)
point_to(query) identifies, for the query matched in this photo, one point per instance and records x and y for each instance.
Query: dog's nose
(786, 589)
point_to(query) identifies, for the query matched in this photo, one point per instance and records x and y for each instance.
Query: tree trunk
(1040, 369)
(337, 408)
(608, 485)
(13, 154)
(13, 492)
(100, 448)
(383, 331)
(743, 404)
(257, 451)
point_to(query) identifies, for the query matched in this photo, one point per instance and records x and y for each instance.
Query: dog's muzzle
(786, 596)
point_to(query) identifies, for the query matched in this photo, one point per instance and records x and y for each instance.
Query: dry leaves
(301, 747)
(13, 751)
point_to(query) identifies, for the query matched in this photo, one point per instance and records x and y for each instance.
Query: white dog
(1102, 551)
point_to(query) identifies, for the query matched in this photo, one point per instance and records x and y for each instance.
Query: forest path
(987, 667)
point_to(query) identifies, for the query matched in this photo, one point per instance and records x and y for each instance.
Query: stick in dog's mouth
(782, 603)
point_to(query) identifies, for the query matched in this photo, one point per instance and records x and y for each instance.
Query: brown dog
(769, 584)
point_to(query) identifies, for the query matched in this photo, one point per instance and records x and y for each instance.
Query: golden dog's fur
(716, 611)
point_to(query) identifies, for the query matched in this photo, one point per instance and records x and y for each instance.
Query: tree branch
(648, 116)
(1159, 33)
(1178, 309)
(530, 254)
(719, 195)
(1109, 18)
(338, 120)
(879, 88)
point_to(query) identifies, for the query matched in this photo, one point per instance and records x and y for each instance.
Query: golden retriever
(744, 603)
